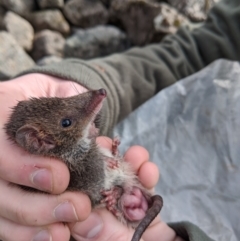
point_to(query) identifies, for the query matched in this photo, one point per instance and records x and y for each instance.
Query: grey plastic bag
(192, 131)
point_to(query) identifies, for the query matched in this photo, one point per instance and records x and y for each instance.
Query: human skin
(101, 225)
(43, 220)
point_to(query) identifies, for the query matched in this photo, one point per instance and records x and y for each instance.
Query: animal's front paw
(116, 142)
(112, 163)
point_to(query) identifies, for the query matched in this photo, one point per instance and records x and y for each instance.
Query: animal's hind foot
(111, 198)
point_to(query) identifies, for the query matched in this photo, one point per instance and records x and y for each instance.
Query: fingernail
(89, 228)
(42, 179)
(43, 236)
(65, 212)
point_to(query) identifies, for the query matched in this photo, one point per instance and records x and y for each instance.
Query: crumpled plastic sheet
(192, 131)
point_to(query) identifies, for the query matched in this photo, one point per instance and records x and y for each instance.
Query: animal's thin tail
(157, 203)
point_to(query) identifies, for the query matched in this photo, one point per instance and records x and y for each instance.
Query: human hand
(43, 220)
(31, 215)
(101, 225)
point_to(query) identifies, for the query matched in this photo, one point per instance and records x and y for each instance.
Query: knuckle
(21, 216)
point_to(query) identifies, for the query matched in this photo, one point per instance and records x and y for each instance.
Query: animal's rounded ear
(34, 140)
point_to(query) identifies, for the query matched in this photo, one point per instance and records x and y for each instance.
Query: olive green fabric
(133, 77)
(189, 231)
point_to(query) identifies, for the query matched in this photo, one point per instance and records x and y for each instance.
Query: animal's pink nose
(102, 92)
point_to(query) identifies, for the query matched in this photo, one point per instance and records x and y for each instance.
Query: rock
(48, 60)
(95, 42)
(195, 10)
(21, 7)
(2, 14)
(85, 13)
(136, 17)
(50, 3)
(13, 59)
(107, 3)
(47, 43)
(168, 20)
(50, 19)
(20, 29)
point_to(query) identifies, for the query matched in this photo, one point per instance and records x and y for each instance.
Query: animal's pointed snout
(102, 92)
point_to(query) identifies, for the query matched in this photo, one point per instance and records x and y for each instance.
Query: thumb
(101, 225)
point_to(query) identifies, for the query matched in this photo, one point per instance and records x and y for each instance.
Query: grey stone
(50, 3)
(21, 7)
(136, 17)
(47, 43)
(2, 14)
(85, 13)
(169, 20)
(95, 42)
(48, 60)
(195, 10)
(13, 59)
(50, 19)
(20, 29)
(107, 3)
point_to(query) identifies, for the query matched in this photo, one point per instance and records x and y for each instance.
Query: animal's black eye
(66, 122)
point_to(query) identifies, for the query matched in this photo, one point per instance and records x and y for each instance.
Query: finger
(28, 208)
(105, 142)
(101, 225)
(45, 174)
(66, 88)
(10, 231)
(39, 85)
(136, 155)
(148, 172)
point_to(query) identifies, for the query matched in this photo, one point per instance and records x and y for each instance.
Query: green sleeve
(133, 77)
(189, 232)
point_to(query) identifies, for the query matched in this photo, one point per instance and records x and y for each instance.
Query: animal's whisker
(44, 91)
(73, 84)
